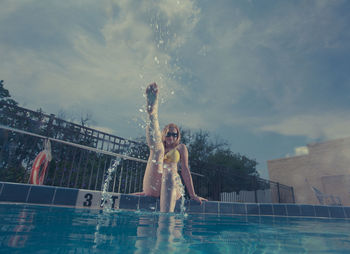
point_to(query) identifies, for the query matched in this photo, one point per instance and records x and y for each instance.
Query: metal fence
(72, 165)
(50, 126)
(241, 188)
(81, 157)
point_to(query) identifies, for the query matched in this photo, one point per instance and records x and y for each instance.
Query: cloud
(268, 71)
(269, 53)
(316, 126)
(101, 60)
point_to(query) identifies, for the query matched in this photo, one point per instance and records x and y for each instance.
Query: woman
(161, 175)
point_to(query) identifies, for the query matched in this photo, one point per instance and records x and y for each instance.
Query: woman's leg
(169, 192)
(152, 179)
(156, 181)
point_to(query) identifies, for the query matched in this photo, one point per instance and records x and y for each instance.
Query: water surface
(40, 229)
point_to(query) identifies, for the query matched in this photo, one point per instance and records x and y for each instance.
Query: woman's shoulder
(181, 147)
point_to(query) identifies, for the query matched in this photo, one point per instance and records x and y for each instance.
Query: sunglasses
(169, 134)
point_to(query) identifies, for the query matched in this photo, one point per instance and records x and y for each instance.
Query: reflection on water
(161, 235)
(33, 229)
(23, 225)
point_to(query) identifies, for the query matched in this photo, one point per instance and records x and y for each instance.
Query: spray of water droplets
(181, 188)
(106, 201)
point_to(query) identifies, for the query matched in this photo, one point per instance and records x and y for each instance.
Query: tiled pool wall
(59, 196)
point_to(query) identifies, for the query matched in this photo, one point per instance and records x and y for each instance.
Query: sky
(267, 76)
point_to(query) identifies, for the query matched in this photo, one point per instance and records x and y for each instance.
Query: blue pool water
(39, 229)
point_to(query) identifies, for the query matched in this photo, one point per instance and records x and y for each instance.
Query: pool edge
(15, 193)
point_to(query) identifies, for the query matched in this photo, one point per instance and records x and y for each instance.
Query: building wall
(326, 167)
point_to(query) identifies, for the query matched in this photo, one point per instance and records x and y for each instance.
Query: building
(321, 175)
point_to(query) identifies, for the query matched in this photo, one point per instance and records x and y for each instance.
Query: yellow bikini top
(173, 156)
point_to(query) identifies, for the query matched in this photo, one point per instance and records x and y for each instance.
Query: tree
(9, 169)
(222, 169)
(5, 95)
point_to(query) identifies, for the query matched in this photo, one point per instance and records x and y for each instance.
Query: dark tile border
(293, 210)
(59, 196)
(336, 212)
(65, 196)
(195, 207)
(41, 195)
(279, 210)
(211, 207)
(12, 192)
(253, 209)
(147, 204)
(307, 210)
(239, 208)
(266, 209)
(347, 212)
(130, 202)
(321, 211)
(225, 208)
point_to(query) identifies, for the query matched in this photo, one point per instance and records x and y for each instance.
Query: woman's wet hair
(165, 131)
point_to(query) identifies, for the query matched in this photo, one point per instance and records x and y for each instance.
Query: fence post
(255, 196)
(292, 189)
(50, 125)
(278, 192)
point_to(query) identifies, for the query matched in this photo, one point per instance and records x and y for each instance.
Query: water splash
(106, 201)
(181, 188)
(156, 60)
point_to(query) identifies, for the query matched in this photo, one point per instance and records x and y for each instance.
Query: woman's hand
(198, 199)
(152, 98)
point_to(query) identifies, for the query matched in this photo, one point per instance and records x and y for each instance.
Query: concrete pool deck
(79, 198)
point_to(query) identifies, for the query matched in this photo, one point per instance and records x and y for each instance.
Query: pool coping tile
(225, 208)
(265, 209)
(12, 192)
(307, 210)
(279, 209)
(65, 196)
(253, 209)
(347, 212)
(336, 212)
(293, 209)
(321, 211)
(148, 203)
(130, 202)
(211, 207)
(239, 208)
(39, 194)
(195, 207)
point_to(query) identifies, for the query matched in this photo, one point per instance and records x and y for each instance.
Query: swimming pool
(48, 229)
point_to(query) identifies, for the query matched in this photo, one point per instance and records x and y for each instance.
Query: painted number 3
(88, 197)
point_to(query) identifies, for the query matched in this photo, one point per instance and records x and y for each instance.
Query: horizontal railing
(72, 165)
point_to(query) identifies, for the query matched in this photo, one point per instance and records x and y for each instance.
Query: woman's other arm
(186, 174)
